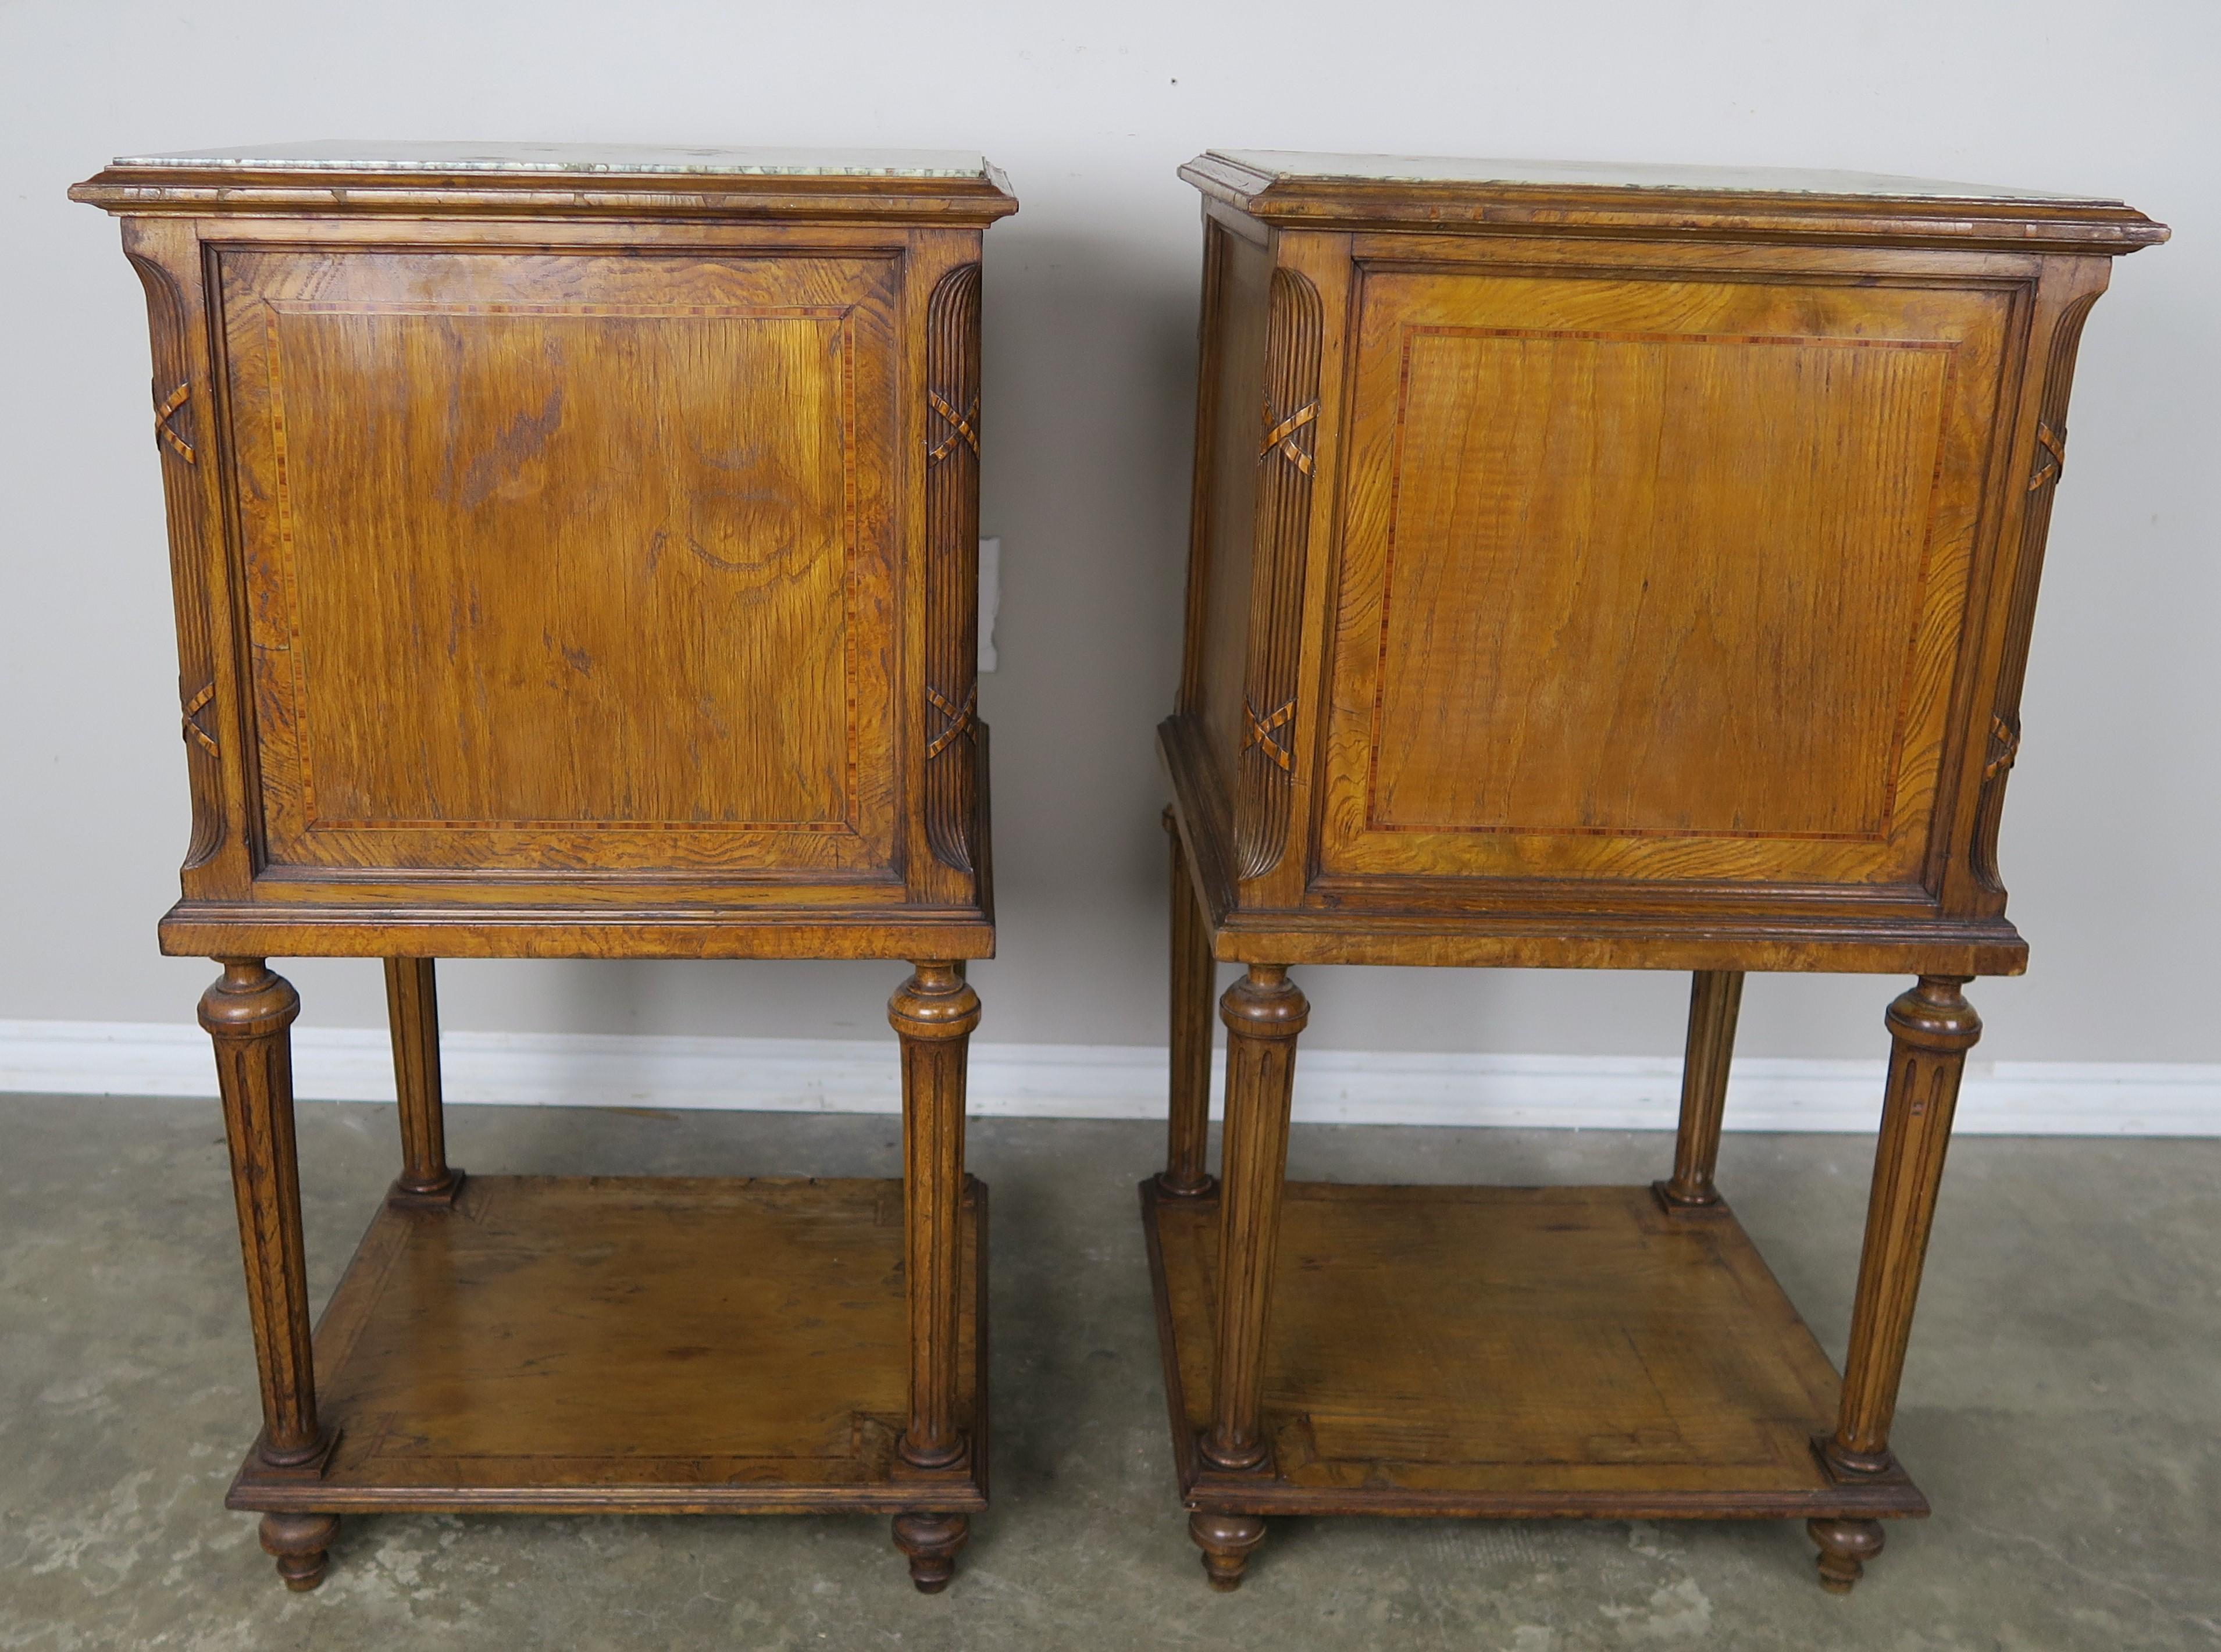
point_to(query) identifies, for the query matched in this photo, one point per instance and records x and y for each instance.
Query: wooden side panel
(1237, 389)
(1655, 579)
(567, 560)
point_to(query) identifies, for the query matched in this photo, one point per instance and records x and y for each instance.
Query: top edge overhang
(1296, 191)
(556, 181)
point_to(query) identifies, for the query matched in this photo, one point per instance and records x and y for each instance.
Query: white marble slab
(1290, 164)
(357, 155)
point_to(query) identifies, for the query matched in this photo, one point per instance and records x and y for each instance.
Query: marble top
(356, 155)
(1291, 166)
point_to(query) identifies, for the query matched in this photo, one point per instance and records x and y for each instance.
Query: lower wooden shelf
(632, 1345)
(1510, 1351)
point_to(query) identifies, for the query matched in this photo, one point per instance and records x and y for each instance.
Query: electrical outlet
(990, 599)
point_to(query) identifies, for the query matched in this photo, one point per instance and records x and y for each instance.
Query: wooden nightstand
(1592, 568)
(574, 556)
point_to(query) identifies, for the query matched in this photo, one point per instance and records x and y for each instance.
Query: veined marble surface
(360, 155)
(1289, 165)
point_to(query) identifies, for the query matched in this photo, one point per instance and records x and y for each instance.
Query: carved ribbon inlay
(959, 719)
(2050, 455)
(193, 708)
(961, 426)
(2004, 746)
(165, 410)
(1282, 435)
(1294, 329)
(1264, 732)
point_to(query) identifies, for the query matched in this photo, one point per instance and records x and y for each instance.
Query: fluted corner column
(1931, 1027)
(1265, 1012)
(934, 1013)
(247, 1013)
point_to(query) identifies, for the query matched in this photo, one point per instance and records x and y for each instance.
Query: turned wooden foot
(297, 1542)
(931, 1542)
(1227, 1541)
(1846, 1546)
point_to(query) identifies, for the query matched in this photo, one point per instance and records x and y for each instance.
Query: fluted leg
(247, 1013)
(1932, 1027)
(412, 1007)
(1715, 996)
(1193, 976)
(934, 1012)
(1264, 1013)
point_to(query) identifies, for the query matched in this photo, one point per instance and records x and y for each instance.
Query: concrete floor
(2061, 1409)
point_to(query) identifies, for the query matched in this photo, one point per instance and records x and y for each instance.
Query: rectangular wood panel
(1654, 579)
(580, 551)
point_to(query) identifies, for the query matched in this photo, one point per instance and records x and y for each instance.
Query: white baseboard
(1117, 1082)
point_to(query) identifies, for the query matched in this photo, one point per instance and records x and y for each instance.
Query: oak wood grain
(411, 612)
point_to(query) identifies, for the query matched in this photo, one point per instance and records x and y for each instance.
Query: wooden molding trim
(235, 190)
(2035, 224)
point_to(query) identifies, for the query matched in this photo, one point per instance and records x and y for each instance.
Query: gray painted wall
(1090, 346)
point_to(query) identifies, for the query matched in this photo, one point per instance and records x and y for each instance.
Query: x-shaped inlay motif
(1282, 435)
(193, 729)
(960, 427)
(2050, 459)
(163, 410)
(960, 717)
(1263, 736)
